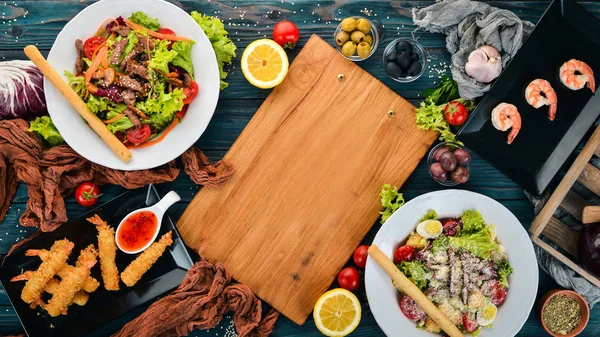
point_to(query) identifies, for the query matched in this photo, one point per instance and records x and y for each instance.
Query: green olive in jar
(349, 48)
(349, 25)
(363, 50)
(342, 37)
(369, 39)
(363, 25)
(357, 36)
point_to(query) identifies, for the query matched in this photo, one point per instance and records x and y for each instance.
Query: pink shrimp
(506, 116)
(574, 74)
(534, 96)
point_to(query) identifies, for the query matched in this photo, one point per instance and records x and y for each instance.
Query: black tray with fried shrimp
(566, 31)
(102, 306)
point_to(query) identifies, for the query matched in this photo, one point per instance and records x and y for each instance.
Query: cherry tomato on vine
(87, 194)
(455, 113)
(90, 45)
(360, 256)
(286, 34)
(349, 278)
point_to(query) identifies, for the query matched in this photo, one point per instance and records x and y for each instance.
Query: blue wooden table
(38, 22)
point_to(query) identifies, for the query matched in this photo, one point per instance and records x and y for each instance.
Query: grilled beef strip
(79, 63)
(138, 49)
(128, 96)
(145, 41)
(121, 30)
(134, 118)
(117, 51)
(134, 68)
(127, 82)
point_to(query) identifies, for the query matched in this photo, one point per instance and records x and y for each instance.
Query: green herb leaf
(391, 200)
(44, 127)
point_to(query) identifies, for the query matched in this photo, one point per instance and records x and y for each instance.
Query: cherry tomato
(404, 253)
(360, 256)
(166, 31)
(349, 278)
(190, 92)
(137, 136)
(286, 34)
(87, 194)
(455, 113)
(498, 294)
(90, 45)
(469, 322)
(181, 113)
(411, 309)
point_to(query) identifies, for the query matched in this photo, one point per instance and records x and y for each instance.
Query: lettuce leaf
(441, 243)
(162, 56)
(414, 271)
(184, 57)
(132, 39)
(472, 222)
(217, 35)
(120, 124)
(391, 200)
(144, 20)
(480, 244)
(44, 127)
(162, 108)
(504, 270)
(430, 215)
(76, 82)
(98, 104)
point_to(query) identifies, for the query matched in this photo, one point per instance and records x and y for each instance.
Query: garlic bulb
(484, 65)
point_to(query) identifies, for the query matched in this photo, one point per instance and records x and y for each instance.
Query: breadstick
(410, 289)
(95, 123)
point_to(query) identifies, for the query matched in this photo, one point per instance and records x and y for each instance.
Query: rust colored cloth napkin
(200, 302)
(51, 174)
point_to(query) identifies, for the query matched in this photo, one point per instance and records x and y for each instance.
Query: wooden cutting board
(309, 169)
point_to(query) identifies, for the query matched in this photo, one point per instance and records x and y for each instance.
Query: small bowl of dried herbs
(564, 313)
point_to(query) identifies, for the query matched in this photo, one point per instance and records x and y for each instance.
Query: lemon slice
(337, 313)
(264, 63)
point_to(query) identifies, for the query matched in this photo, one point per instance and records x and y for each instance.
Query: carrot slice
(135, 26)
(114, 119)
(95, 64)
(159, 138)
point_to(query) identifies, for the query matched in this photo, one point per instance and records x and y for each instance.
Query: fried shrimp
(575, 74)
(90, 285)
(59, 253)
(71, 283)
(136, 269)
(107, 248)
(81, 297)
(539, 93)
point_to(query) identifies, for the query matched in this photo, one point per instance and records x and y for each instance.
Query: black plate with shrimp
(566, 31)
(102, 305)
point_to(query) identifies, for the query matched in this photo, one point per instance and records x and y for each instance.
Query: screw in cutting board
(391, 114)
(341, 77)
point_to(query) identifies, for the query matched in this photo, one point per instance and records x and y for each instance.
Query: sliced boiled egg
(487, 314)
(429, 229)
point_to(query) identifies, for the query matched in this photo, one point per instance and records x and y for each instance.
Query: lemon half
(264, 63)
(337, 313)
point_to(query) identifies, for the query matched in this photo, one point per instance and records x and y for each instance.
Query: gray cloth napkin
(469, 25)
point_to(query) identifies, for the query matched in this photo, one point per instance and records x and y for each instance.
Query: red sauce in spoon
(137, 230)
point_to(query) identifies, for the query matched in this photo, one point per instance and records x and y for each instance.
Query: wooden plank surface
(39, 21)
(309, 168)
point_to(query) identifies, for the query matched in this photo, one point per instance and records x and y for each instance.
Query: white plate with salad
(467, 253)
(146, 69)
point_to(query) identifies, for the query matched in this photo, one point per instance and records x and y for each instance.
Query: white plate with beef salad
(146, 69)
(469, 255)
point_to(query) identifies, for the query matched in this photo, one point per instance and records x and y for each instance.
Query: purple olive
(448, 161)
(460, 175)
(462, 157)
(439, 151)
(438, 172)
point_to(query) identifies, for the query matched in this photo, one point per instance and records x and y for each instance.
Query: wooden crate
(553, 229)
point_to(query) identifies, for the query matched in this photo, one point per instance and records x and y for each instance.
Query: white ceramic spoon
(159, 210)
